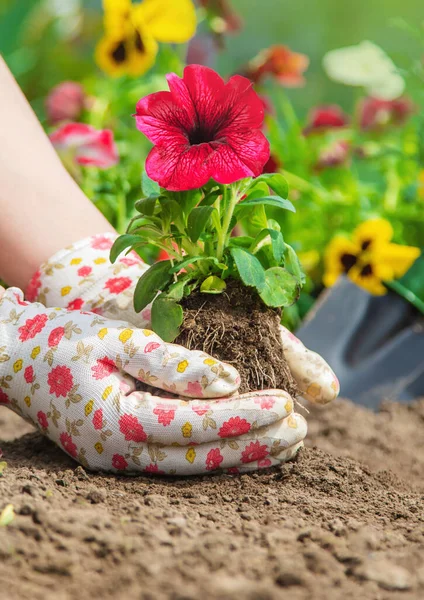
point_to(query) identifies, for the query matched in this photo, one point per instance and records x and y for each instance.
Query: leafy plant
(196, 229)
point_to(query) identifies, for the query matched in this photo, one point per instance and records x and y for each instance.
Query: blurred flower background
(343, 91)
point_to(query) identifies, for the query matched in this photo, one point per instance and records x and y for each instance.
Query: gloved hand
(81, 276)
(72, 374)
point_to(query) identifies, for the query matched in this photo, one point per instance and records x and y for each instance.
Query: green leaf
(188, 200)
(197, 221)
(194, 259)
(213, 285)
(267, 201)
(210, 198)
(244, 241)
(149, 186)
(146, 206)
(176, 290)
(272, 238)
(174, 211)
(122, 243)
(150, 283)
(276, 182)
(259, 190)
(281, 288)
(167, 317)
(295, 264)
(250, 269)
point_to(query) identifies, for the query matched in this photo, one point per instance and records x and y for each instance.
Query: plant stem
(222, 235)
(122, 213)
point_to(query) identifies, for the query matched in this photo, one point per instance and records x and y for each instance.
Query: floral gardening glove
(81, 276)
(72, 374)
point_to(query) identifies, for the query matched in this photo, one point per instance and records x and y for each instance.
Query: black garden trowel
(374, 344)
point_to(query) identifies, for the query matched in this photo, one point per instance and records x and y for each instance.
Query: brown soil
(239, 329)
(325, 527)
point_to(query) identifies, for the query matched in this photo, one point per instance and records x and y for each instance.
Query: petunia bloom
(132, 33)
(323, 118)
(369, 258)
(85, 145)
(281, 63)
(334, 155)
(65, 102)
(376, 114)
(203, 128)
(365, 65)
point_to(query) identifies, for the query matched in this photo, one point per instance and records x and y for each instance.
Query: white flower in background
(365, 65)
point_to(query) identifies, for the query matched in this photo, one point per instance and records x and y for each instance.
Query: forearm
(42, 209)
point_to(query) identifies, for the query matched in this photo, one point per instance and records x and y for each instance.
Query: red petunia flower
(55, 336)
(234, 427)
(65, 102)
(202, 129)
(29, 374)
(119, 462)
(103, 368)
(375, 114)
(254, 451)
(213, 459)
(281, 63)
(32, 327)
(164, 414)
(84, 271)
(4, 398)
(272, 165)
(76, 304)
(60, 381)
(98, 419)
(89, 146)
(68, 444)
(323, 118)
(132, 429)
(116, 285)
(42, 419)
(33, 287)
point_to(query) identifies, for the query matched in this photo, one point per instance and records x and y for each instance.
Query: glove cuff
(81, 277)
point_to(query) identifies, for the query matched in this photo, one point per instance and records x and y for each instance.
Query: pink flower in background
(334, 155)
(376, 114)
(265, 402)
(323, 118)
(65, 102)
(281, 63)
(227, 20)
(203, 128)
(87, 145)
(101, 242)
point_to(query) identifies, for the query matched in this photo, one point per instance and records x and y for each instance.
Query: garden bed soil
(344, 520)
(236, 327)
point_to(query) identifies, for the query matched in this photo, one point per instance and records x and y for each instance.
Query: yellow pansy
(89, 407)
(186, 430)
(132, 33)
(125, 335)
(369, 259)
(182, 366)
(35, 352)
(17, 366)
(191, 455)
(102, 333)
